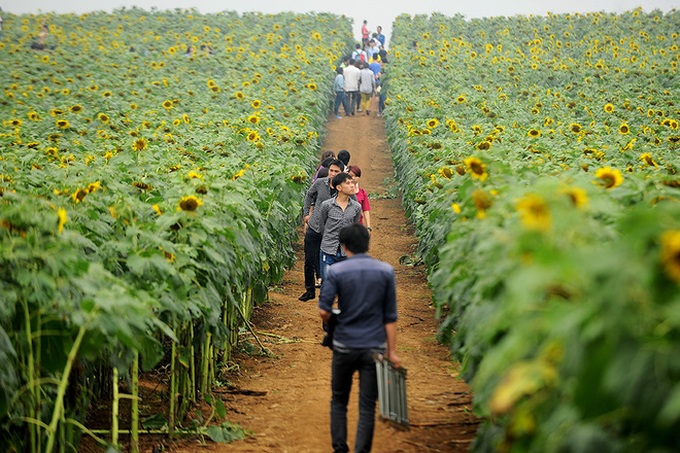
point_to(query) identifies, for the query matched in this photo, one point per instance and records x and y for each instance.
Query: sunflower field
(152, 172)
(539, 158)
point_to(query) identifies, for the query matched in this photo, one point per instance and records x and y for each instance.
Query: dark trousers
(343, 368)
(356, 100)
(312, 247)
(352, 98)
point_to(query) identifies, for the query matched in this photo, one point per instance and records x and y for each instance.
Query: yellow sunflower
(577, 196)
(609, 177)
(534, 212)
(167, 105)
(432, 123)
(103, 117)
(624, 129)
(140, 144)
(63, 124)
(648, 159)
(482, 201)
(445, 172)
(477, 168)
(609, 108)
(670, 254)
(534, 133)
(484, 145)
(62, 218)
(189, 203)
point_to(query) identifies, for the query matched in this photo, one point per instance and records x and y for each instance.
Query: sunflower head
(484, 145)
(577, 196)
(534, 212)
(482, 200)
(670, 254)
(140, 144)
(648, 159)
(62, 218)
(477, 168)
(609, 177)
(189, 203)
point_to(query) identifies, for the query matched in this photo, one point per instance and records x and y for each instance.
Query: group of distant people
(359, 76)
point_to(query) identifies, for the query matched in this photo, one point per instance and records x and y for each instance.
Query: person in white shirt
(352, 74)
(366, 87)
(372, 49)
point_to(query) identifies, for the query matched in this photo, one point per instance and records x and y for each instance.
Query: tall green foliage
(539, 161)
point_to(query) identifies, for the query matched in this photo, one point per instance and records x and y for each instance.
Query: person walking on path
(319, 192)
(365, 33)
(339, 88)
(335, 214)
(380, 36)
(365, 326)
(352, 74)
(366, 87)
(362, 197)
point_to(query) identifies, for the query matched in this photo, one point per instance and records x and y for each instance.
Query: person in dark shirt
(319, 192)
(366, 325)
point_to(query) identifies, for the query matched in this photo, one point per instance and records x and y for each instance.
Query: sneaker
(338, 117)
(368, 112)
(359, 110)
(318, 283)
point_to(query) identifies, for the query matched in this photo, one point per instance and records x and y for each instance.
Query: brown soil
(283, 398)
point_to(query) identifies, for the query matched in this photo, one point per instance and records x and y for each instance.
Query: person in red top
(365, 33)
(362, 197)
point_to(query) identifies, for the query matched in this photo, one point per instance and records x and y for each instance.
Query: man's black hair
(340, 178)
(327, 162)
(338, 163)
(343, 155)
(355, 238)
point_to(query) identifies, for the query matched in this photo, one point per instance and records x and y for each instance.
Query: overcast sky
(375, 11)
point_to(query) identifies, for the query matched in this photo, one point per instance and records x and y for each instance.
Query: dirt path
(291, 413)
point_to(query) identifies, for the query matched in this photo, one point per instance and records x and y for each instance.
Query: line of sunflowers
(539, 160)
(148, 198)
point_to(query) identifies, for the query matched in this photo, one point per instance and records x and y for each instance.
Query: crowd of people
(357, 300)
(359, 77)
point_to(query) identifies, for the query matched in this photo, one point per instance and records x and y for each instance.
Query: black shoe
(307, 296)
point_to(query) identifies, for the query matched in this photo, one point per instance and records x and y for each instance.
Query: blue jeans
(327, 260)
(344, 365)
(340, 99)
